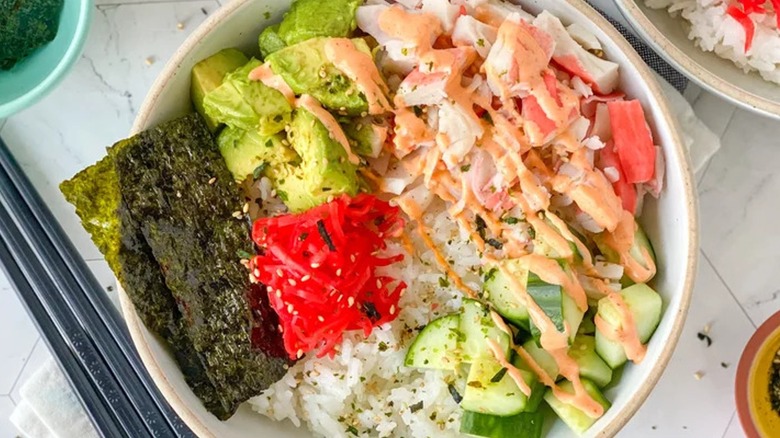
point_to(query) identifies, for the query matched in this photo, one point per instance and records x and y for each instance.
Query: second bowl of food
(731, 48)
(400, 220)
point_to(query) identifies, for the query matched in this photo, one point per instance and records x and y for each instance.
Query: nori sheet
(95, 193)
(188, 223)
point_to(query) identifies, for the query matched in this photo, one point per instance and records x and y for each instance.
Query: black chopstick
(84, 297)
(78, 377)
(88, 297)
(43, 290)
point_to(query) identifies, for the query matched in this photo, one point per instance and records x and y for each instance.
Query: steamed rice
(713, 30)
(365, 390)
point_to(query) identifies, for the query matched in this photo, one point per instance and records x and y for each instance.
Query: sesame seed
(213, 180)
(256, 272)
(281, 329)
(246, 207)
(178, 194)
(292, 282)
(285, 142)
(363, 114)
(352, 258)
(285, 366)
(343, 109)
(295, 312)
(378, 283)
(237, 214)
(698, 375)
(299, 353)
(330, 198)
(392, 309)
(278, 293)
(273, 193)
(290, 308)
(320, 318)
(338, 300)
(706, 329)
(279, 273)
(315, 265)
(149, 60)
(359, 126)
(350, 302)
(305, 278)
(400, 294)
(287, 127)
(338, 272)
(245, 262)
(269, 289)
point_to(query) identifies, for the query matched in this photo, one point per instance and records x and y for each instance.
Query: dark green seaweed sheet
(95, 193)
(188, 223)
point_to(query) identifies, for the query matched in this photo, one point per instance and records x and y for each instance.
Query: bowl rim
(642, 25)
(136, 327)
(56, 75)
(745, 369)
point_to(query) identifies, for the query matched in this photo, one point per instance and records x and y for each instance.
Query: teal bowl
(33, 77)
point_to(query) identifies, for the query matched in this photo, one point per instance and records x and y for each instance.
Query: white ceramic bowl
(668, 36)
(671, 222)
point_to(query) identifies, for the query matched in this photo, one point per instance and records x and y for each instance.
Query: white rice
(713, 30)
(366, 388)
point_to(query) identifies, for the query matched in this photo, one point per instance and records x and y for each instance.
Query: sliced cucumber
(542, 358)
(640, 242)
(645, 306)
(577, 420)
(523, 425)
(477, 327)
(572, 315)
(489, 390)
(592, 366)
(499, 291)
(537, 387)
(436, 345)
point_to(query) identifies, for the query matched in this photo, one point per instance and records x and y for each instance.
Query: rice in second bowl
(713, 29)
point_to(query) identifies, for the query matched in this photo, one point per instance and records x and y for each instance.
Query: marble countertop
(738, 280)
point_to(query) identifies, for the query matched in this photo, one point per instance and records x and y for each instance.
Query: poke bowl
(668, 34)
(378, 288)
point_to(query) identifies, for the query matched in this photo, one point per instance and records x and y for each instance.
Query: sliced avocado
(208, 75)
(316, 18)
(246, 151)
(366, 136)
(248, 105)
(307, 70)
(270, 41)
(324, 169)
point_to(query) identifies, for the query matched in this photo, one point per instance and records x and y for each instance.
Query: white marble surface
(737, 285)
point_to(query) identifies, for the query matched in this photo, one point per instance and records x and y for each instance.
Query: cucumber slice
(572, 315)
(537, 387)
(577, 420)
(640, 242)
(498, 290)
(523, 425)
(645, 306)
(477, 327)
(592, 366)
(542, 358)
(436, 345)
(489, 390)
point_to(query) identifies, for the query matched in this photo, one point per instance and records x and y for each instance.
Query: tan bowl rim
(190, 418)
(745, 368)
(692, 69)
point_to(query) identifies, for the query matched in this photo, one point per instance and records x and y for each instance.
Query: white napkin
(701, 142)
(49, 409)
